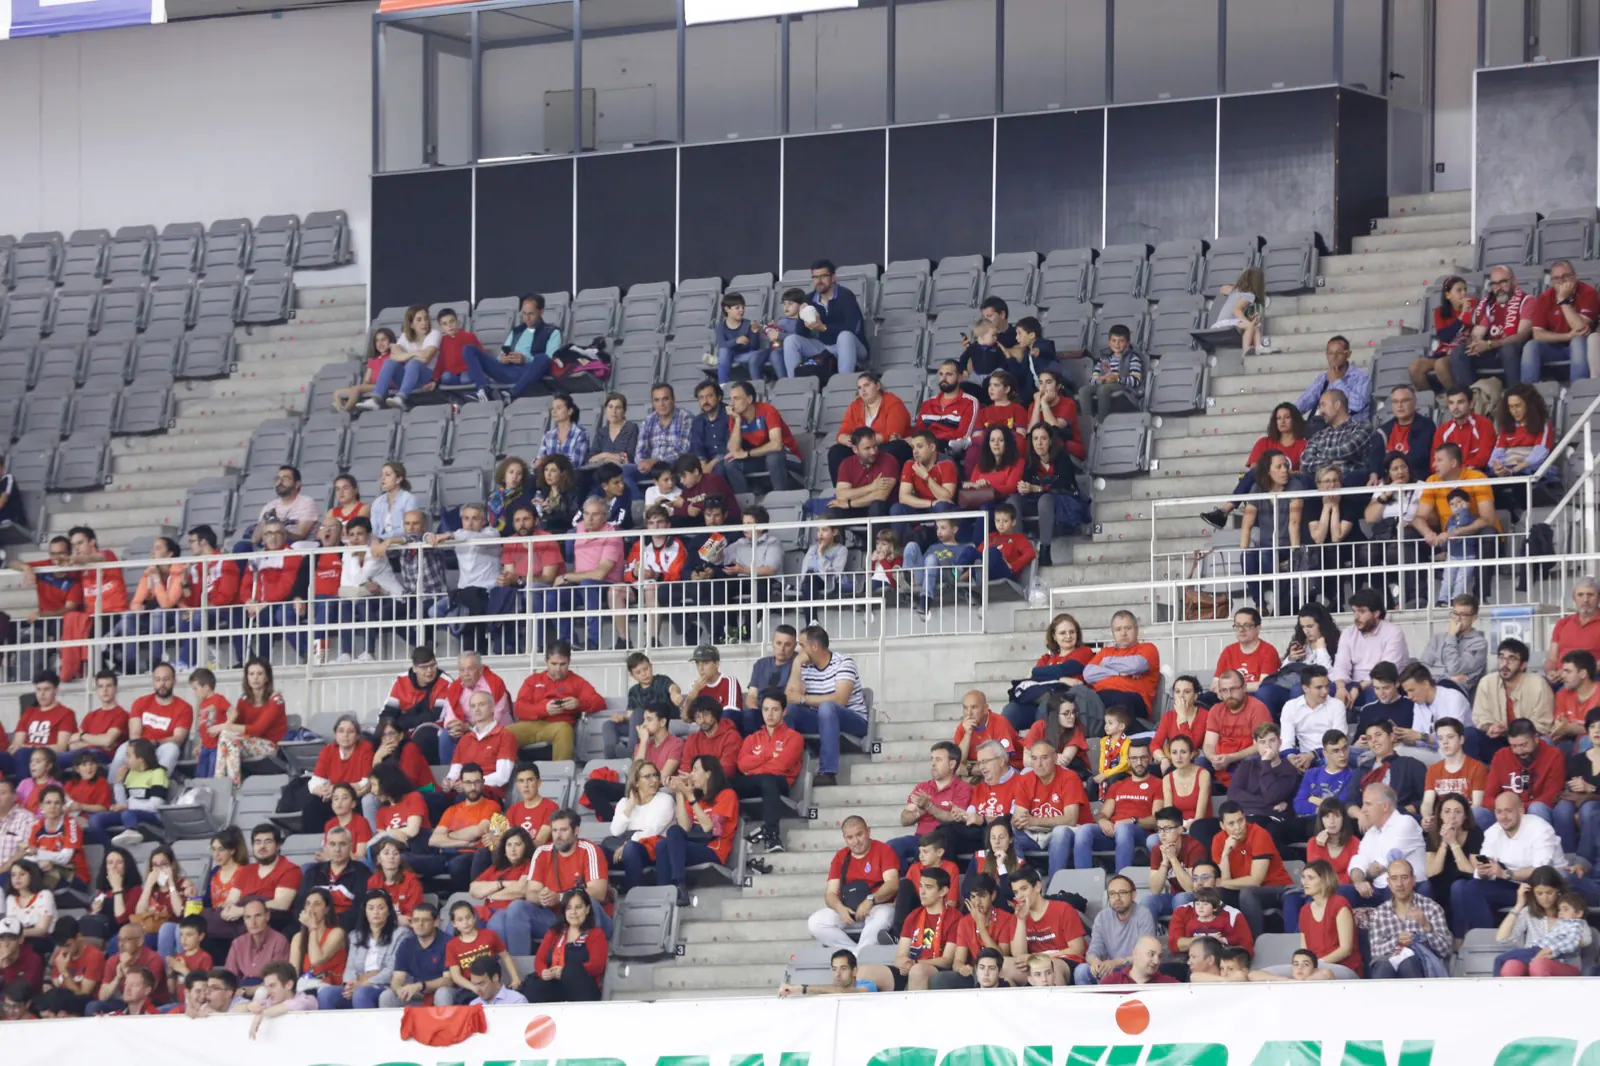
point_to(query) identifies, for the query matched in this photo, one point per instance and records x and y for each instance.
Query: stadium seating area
(273, 376)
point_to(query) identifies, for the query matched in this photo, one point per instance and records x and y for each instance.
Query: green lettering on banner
(788, 1058)
(1188, 1055)
(1591, 1055)
(1085, 1055)
(1039, 1055)
(1370, 1053)
(980, 1055)
(683, 1060)
(1539, 1051)
(905, 1056)
(1124, 1055)
(1289, 1053)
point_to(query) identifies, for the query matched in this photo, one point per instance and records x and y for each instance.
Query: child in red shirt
(1009, 552)
(450, 368)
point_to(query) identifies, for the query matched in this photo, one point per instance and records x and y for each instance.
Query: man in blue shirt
(524, 358)
(485, 973)
(1354, 382)
(419, 970)
(770, 672)
(708, 433)
(1334, 777)
(834, 324)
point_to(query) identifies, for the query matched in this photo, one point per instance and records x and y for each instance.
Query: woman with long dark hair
(1286, 433)
(1314, 642)
(502, 886)
(318, 950)
(1522, 441)
(369, 957)
(1279, 526)
(571, 961)
(706, 817)
(259, 723)
(116, 898)
(1446, 364)
(1048, 490)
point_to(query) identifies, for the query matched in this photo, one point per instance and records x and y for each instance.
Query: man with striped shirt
(825, 697)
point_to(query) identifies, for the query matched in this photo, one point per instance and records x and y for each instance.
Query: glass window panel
(630, 73)
(401, 93)
(1036, 60)
(836, 69)
(944, 60)
(733, 70)
(527, 56)
(1164, 50)
(1274, 45)
(1363, 45)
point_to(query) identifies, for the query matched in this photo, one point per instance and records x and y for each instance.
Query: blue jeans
(752, 356)
(522, 925)
(675, 853)
(1090, 836)
(112, 822)
(775, 464)
(826, 721)
(584, 596)
(1059, 847)
(484, 369)
(797, 349)
(1579, 828)
(412, 375)
(1161, 904)
(1536, 353)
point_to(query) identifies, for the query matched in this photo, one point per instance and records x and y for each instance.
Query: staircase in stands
(737, 941)
(151, 475)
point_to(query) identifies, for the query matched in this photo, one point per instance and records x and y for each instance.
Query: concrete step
(872, 795)
(1326, 322)
(144, 462)
(1405, 283)
(719, 932)
(242, 409)
(777, 886)
(1256, 405)
(1185, 465)
(781, 907)
(1431, 203)
(1402, 291)
(1434, 259)
(200, 444)
(1424, 240)
(1097, 554)
(330, 349)
(161, 481)
(316, 328)
(309, 296)
(1237, 444)
(322, 314)
(1133, 525)
(1187, 483)
(813, 863)
(889, 814)
(904, 772)
(1298, 343)
(761, 953)
(162, 502)
(68, 513)
(1283, 384)
(1418, 223)
(736, 980)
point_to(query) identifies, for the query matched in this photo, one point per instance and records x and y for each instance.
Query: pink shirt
(457, 711)
(591, 551)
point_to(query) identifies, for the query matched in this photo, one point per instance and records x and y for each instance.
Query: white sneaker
(128, 838)
(396, 402)
(369, 404)
(483, 396)
(365, 657)
(344, 657)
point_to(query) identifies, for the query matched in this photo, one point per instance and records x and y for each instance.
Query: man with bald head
(1502, 322)
(978, 724)
(477, 548)
(1513, 848)
(1409, 933)
(1144, 966)
(420, 569)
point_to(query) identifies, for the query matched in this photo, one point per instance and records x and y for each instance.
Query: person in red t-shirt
(931, 848)
(1254, 658)
(560, 866)
(999, 791)
(450, 368)
(1253, 876)
(758, 439)
(1127, 814)
(47, 724)
(928, 935)
(1530, 767)
(464, 824)
(983, 927)
(1563, 318)
(978, 724)
(271, 877)
(102, 729)
(161, 718)
(928, 483)
(531, 812)
(1052, 804)
(1578, 631)
(1045, 927)
(862, 882)
(1205, 916)
(468, 946)
(1466, 429)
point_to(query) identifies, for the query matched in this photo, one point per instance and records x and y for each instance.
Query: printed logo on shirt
(39, 732)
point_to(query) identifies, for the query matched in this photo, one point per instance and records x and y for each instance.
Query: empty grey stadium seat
(8, 247)
(328, 379)
(1180, 384)
(30, 306)
(757, 292)
(904, 287)
(944, 342)
(1068, 325)
(178, 249)
(645, 308)
(171, 305)
(207, 352)
(494, 318)
(956, 285)
(1227, 258)
(106, 360)
(392, 318)
(1122, 311)
(147, 405)
(1290, 262)
(899, 344)
(795, 399)
(17, 340)
(859, 278)
(217, 297)
(634, 366)
(324, 241)
(1507, 239)
(37, 258)
(155, 357)
(269, 296)
(1121, 446)
(558, 309)
(698, 304)
(227, 245)
(1392, 365)
(595, 313)
(1566, 234)
(1172, 325)
(686, 367)
(1012, 277)
(646, 925)
(1122, 271)
(1175, 268)
(372, 440)
(477, 429)
(209, 501)
(124, 304)
(58, 365)
(273, 444)
(255, 493)
(85, 254)
(275, 242)
(426, 435)
(132, 252)
(460, 485)
(1066, 277)
(78, 306)
(322, 439)
(83, 462)
(16, 369)
(45, 413)
(10, 417)
(94, 408)
(525, 421)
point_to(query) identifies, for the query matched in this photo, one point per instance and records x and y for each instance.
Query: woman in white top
(394, 500)
(31, 908)
(1239, 306)
(410, 362)
(644, 812)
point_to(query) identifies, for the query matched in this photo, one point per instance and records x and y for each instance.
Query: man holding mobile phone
(1513, 848)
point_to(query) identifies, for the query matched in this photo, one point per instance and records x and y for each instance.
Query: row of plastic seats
(168, 305)
(323, 240)
(63, 364)
(1531, 237)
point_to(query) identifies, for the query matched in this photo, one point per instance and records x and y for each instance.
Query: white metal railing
(861, 604)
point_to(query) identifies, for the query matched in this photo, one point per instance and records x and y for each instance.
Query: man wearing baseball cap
(18, 960)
